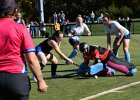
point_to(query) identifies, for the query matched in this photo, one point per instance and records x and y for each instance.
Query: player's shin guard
(73, 53)
(127, 56)
(53, 69)
(94, 69)
(118, 67)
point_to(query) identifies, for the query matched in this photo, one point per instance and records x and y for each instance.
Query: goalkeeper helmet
(84, 48)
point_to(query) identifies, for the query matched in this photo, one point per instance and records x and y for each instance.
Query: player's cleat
(112, 72)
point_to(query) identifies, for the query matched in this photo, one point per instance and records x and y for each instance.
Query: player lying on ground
(102, 57)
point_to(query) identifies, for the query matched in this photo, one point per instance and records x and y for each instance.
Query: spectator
(43, 29)
(28, 26)
(32, 29)
(15, 44)
(57, 26)
(119, 20)
(92, 16)
(123, 23)
(55, 17)
(19, 20)
(62, 20)
(87, 19)
(59, 18)
(100, 18)
(128, 23)
(36, 26)
(67, 27)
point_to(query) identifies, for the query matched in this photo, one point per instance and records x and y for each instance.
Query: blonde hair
(78, 18)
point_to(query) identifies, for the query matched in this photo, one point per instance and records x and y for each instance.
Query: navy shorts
(14, 86)
(127, 36)
(74, 41)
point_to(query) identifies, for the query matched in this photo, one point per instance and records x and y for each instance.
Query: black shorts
(14, 86)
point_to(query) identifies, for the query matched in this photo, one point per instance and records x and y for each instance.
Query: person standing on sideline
(62, 21)
(15, 44)
(128, 23)
(122, 36)
(55, 17)
(44, 55)
(18, 19)
(74, 35)
(92, 16)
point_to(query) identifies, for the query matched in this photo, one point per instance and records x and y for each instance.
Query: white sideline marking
(111, 90)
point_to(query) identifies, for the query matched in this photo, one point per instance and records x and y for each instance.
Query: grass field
(77, 87)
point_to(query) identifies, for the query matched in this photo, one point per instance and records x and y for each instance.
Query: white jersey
(79, 30)
(115, 26)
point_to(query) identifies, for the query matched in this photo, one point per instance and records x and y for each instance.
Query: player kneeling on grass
(103, 56)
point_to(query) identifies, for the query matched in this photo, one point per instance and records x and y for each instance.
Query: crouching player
(102, 57)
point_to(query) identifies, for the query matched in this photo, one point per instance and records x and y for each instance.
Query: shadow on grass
(70, 70)
(80, 77)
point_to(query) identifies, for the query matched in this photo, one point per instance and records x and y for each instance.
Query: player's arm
(58, 51)
(121, 36)
(97, 57)
(71, 33)
(88, 31)
(86, 58)
(35, 68)
(108, 41)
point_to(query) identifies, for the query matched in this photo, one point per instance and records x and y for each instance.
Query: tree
(113, 11)
(125, 11)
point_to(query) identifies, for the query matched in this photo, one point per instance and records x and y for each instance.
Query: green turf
(77, 87)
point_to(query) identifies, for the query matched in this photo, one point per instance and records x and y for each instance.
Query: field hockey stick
(73, 63)
(76, 64)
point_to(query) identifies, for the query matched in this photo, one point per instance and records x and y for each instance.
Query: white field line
(110, 91)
